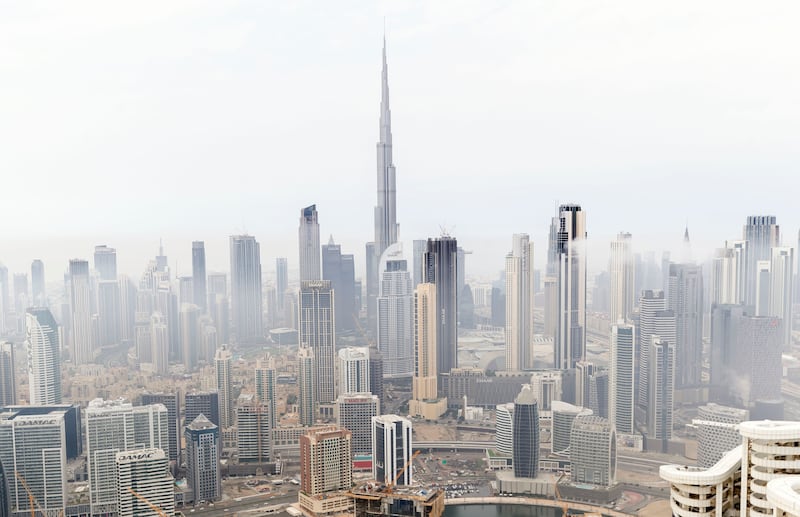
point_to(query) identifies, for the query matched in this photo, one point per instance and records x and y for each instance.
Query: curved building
(784, 495)
(711, 492)
(771, 450)
(504, 429)
(563, 416)
(44, 358)
(526, 434)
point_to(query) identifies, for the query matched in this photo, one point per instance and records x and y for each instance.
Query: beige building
(326, 471)
(425, 401)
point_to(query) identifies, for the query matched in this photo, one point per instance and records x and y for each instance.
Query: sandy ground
(655, 509)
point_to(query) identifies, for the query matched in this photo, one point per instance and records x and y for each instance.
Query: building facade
(203, 448)
(317, 330)
(593, 451)
(143, 482)
(519, 304)
(246, 295)
(392, 450)
(44, 356)
(526, 434)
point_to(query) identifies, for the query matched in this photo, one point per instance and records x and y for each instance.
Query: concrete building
(145, 472)
(204, 403)
(623, 377)
(760, 345)
(306, 383)
(317, 331)
(781, 294)
(199, 289)
(82, 344)
(8, 381)
(564, 416)
(569, 346)
(621, 271)
(728, 282)
(34, 445)
(440, 268)
(519, 304)
(38, 294)
(661, 391)
(190, 340)
(222, 368)
(203, 450)
(353, 369)
(266, 378)
(254, 430)
(654, 320)
(246, 295)
(172, 402)
(308, 239)
(44, 357)
(593, 451)
(339, 269)
(717, 432)
(526, 434)
(762, 233)
(391, 450)
(425, 401)
(686, 301)
(326, 471)
(354, 412)
(395, 319)
(504, 429)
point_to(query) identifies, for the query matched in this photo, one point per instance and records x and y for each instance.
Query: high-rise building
(354, 412)
(222, 367)
(420, 245)
(762, 233)
(717, 432)
(190, 314)
(376, 374)
(105, 262)
(203, 450)
(439, 268)
(391, 450)
(570, 342)
(5, 496)
(729, 274)
(781, 285)
(623, 389)
(758, 360)
(622, 275)
(686, 301)
(38, 296)
(519, 304)
(661, 391)
(340, 270)
(654, 320)
(763, 286)
(172, 402)
(144, 483)
(265, 381)
(8, 385)
(246, 297)
(5, 301)
(353, 368)
(308, 238)
(253, 430)
(204, 403)
(159, 343)
(395, 320)
(82, 350)
(306, 384)
(550, 306)
(564, 415)
(281, 280)
(593, 451)
(526, 434)
(219, 304)
(199, 290)
(724, 336)
(425, 401)
(112, 427)
(44, 357)
(34, 446)
(108, 312)
(127, 309)
(504, 429)
(326, 470)
(386, 227)
(317, 331)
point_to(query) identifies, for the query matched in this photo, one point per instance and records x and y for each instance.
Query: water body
(501, 510)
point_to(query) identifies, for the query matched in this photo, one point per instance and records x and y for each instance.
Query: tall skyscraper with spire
(308, 238)
(386, 209)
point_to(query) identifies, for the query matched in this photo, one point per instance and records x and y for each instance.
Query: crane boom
(153, 507)
(32, 502)
(400, 472)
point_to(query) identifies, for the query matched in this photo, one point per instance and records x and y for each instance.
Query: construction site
(372, 499)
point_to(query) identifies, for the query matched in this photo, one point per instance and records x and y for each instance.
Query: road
(248, 503)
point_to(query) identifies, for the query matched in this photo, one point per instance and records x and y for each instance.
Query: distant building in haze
(440, 269)
(317, 331)
(246, 296)
(44, 357)
(199, 291)
(519, 304)
(308, 239)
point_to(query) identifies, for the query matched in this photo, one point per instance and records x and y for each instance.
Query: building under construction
(372, 499)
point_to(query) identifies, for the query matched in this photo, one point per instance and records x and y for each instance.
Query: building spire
(386, 114)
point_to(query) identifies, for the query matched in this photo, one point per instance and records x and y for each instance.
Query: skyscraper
(281, 280)
(82, 350)
(246, 298)
(39, 298)
(5, 302)
(519, 304)
(526, 434)
(391, 450)
(203, 450)
(593, 451)
(190, 314)
(354, 412)
(621, 269)
(654, 320)
(717, 432)
(729, 274)
(570, 341)
(308, 239)
(204, 403)
(420, 246)
(340, 270)
(199, 274)
(439, 268)
(781, 285)
(317, 331)
(144, 472)
(8, 385)
(108, 312)
(353, 368)
(662, 387)
(105, 262)
(222, 366)
(425, 401)
(623, 389)
(266, 379)
(326, 470)
(253, 430)
(395, 321)
(306, 385)
(686, 301)
(44, 357)
(761, 233)
(171, 401)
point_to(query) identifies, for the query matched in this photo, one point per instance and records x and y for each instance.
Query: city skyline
(483, 173)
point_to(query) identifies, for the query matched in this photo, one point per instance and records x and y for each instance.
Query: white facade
(570, 341)
(391, 449)
(306, 383)
(82, 350)
(519, 304)
(781, 290)
(622, 388)
(308, 239)
(662, 390)
(354, 412)
(395, 314)
(44, 357)
(317, 331)
(717, 432)
(621, 278)
(353, 366)
(504, 429)
(222, 366)
(144, 472)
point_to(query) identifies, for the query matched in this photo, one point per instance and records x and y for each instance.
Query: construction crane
(153, 507)
(390, 487)
(32, 502)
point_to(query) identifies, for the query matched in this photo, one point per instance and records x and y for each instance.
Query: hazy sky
(124, 122)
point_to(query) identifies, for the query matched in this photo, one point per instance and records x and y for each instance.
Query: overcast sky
(124, 122)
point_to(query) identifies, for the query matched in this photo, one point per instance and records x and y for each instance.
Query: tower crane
(159, 511)
(390, 487)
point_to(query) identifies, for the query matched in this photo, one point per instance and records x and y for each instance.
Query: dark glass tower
(526, 434)
(340, 270)
(440, 268)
